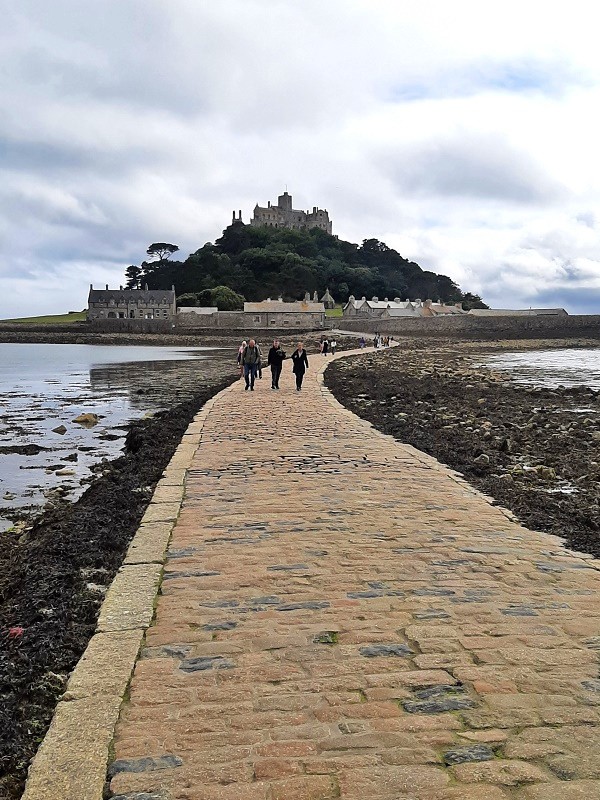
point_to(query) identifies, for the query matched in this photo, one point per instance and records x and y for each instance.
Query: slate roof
(122, 296)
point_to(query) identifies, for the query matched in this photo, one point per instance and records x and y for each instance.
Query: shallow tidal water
(550, 368)
(44, 386)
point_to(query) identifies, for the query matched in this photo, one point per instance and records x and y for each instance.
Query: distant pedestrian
(300, 360)
(239, 357)
(250, 360)
(362, 341)
(333, 346)
(325, 346)
(259, 366)
(275, 361)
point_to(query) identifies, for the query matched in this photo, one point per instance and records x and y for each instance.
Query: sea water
(45, 386)
(550, 368)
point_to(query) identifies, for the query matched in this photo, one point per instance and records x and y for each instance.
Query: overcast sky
(464, 134)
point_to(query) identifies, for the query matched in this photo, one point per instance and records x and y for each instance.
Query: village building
(302, 314)
(283, 215)
(277, 313)
(327, 300)
(146, 304)
(391, 309)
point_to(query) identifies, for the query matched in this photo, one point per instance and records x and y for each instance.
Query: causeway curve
(312, 610)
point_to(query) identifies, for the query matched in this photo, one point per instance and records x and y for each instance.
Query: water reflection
(551, 368)
(43, 388)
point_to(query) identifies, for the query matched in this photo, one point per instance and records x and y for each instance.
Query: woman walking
(300, 360)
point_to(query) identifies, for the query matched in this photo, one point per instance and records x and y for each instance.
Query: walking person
(362, 341)
(333, 346)
(300, 360)
(275, 361)
(239, 357)
(325, 346)
(250, 359)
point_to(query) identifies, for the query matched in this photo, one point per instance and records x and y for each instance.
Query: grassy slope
(334, 312)
(52, 319)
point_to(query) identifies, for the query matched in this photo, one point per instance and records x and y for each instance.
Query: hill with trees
(254, 263)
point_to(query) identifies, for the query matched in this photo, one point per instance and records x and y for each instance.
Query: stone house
(283, 215)
(277, 313)
(375, 307)
(327, 300)
(131, 304)
(391, 309)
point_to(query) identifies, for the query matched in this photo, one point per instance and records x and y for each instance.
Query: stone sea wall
(469, 327)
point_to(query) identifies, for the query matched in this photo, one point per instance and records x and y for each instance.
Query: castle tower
(284, 201)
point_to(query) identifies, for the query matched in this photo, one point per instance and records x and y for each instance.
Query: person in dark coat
(275, 361)
(300, 360)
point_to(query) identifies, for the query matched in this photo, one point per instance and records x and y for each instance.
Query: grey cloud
(483, 167)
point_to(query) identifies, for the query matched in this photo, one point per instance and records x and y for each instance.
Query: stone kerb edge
(72, 760)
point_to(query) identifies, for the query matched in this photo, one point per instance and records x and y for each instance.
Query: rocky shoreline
(533, 450)
(53, 579)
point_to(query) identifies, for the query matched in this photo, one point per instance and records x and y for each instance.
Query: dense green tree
(189, 299)
(133, 274)
(470, 301)
(259, 262)
(225, 299)
(161, 250)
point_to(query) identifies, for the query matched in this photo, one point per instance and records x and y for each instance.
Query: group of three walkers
(250, 362)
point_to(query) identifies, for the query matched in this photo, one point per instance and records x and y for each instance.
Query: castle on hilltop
(284, 216)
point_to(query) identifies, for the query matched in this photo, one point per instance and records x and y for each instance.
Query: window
(256, 318)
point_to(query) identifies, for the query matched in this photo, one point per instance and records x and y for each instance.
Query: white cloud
(464, 134)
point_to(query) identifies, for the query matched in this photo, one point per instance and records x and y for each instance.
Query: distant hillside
(261, 262)
(51, 319)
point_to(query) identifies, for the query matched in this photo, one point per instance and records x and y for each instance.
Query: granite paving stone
(340, 616)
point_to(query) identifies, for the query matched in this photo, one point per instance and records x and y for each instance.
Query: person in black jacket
(275, 361)
(300, 360)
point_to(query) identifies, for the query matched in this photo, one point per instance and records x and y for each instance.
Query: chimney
(233, 217)
(107, 287)
(145, 287)
(120, 288)
(240, 213)
(280, 299)
(172, 287)
(91, 286)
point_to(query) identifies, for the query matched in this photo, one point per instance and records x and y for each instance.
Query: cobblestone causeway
(341, 616)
